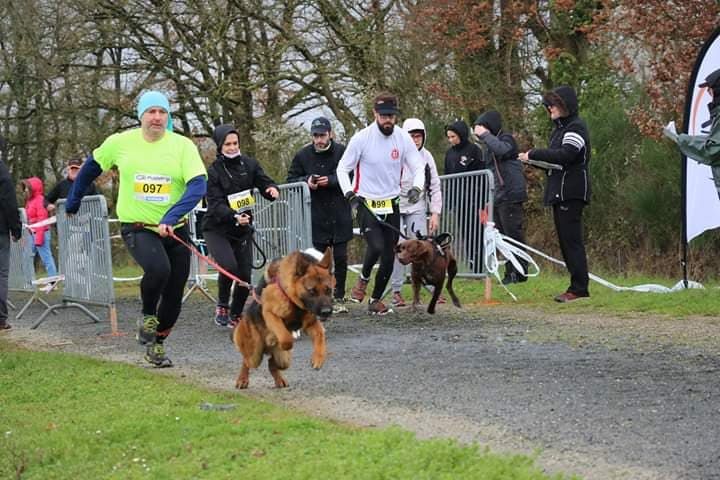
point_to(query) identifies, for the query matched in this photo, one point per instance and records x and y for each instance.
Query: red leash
(220, 269)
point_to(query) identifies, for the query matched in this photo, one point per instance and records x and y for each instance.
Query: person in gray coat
(510, 190)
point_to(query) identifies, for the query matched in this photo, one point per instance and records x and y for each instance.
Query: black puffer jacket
(465, 156)
(569, 147)
(9, 215)
(330, 212)
(507, 169)
(227, 176)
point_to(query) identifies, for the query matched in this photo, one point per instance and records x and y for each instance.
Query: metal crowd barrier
(85, 259)
(467, 201)
(198, 268)
(284, 225)
(22, 268)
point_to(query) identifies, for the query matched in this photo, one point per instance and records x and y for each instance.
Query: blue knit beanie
(154, 98)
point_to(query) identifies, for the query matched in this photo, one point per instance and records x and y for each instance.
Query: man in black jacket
(510, 192)
(465, 156)
(316, 164)
(9, 226)
(62, 188)
(567, 190)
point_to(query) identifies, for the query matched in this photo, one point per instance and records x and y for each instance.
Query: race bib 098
(241, 201)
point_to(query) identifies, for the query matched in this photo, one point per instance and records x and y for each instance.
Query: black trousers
(4, 275)
(235, 256)
(568, 225)
(381, 241)
(340, 264)
(510, 219)
(166, 266)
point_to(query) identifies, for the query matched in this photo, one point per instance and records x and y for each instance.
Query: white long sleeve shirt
(435, 203)
(377, 161)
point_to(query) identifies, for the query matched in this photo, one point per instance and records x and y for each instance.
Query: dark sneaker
(147, 328)
(513, 277)
(339, 306)
(398, 300)
(234, 321)
(222, 316)
(5, 326)
(357, 294)
(570, 297)
(155, 355)
(376, 307)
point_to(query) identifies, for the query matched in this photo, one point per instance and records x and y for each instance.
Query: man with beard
(377, 155)
(316, 164)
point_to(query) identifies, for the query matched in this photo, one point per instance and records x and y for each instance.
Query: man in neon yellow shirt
(162, 177)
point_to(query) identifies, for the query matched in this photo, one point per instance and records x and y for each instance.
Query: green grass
(67, 417)
(538, 293)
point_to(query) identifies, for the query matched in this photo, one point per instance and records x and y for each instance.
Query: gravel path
(602, 397)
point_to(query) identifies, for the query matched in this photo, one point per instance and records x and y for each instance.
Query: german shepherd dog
(295, 294)
(431, 259)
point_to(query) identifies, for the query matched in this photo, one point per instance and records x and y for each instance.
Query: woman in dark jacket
(227, 223)
(465, 156)
(510, 191)
(567, 190)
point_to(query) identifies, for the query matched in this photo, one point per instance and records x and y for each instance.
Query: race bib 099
(381, 207)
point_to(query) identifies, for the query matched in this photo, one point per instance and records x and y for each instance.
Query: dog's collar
(276, 281)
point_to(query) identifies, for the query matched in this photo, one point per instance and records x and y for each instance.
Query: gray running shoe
(147, 328)
(155, 355)
(339, 306)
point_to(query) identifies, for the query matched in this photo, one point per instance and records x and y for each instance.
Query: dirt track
(603, 397)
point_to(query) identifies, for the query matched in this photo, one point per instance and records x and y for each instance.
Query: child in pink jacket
(36, 211)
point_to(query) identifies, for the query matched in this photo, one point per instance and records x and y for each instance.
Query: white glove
(670, 132)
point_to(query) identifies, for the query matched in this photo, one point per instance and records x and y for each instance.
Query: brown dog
(295, 294)
(431, 260)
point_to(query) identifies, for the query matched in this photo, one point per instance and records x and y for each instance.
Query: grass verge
(538, 293)
(67, 417)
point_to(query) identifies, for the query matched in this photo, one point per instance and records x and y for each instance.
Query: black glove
(414, 195)
(16, 234)
(353, 200)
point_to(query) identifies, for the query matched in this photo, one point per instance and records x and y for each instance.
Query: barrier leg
(487, 299)
(57, 306)
(11, 305)
(197, 285)
(114, 332)
(34, 297)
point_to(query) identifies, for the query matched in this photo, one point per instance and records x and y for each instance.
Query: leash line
(220, 269)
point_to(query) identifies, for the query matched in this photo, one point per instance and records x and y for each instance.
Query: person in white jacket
(413, 216)
(377, 155)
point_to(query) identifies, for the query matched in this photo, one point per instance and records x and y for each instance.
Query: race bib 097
(152, 188)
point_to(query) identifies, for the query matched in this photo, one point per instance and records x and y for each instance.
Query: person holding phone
(227, 224)
(331, 217)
